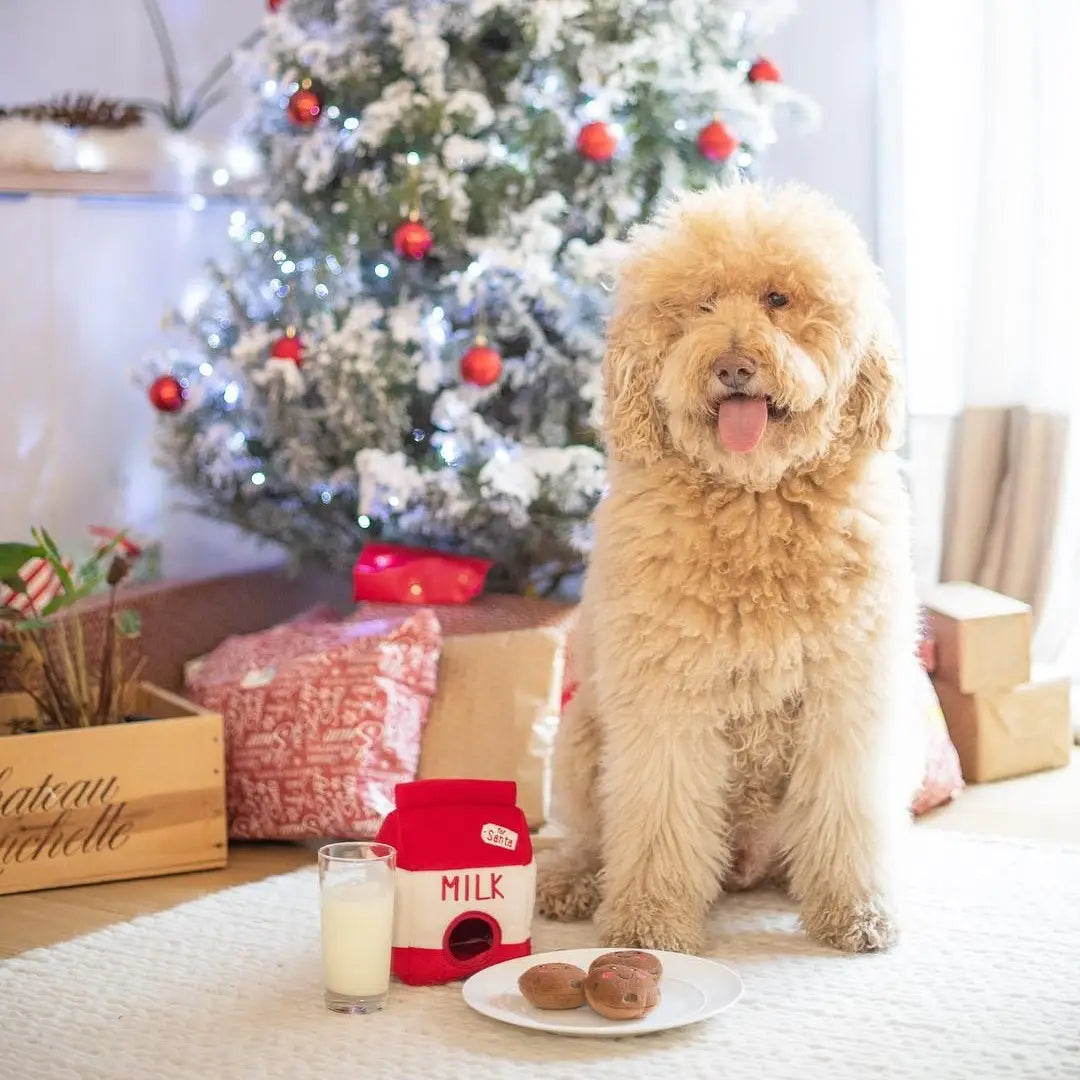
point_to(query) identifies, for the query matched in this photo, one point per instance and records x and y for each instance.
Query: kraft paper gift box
(496, 711)
(982, 639)
(1002, 733)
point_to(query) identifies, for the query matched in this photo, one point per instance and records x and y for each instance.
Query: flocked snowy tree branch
(465, 112)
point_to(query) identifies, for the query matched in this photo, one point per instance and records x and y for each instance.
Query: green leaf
(129, 623)
(15, 583)
(99, 556)
(32, 624)
(52, 553)
(50, 543)
(14, 556)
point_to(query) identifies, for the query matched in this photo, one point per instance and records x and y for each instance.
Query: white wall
(82, 300)
(106, 47)
(84, 283)
(828, 50)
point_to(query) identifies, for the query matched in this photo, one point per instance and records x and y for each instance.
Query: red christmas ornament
(596, 142)
(166, 394)
(716, 142)
(273, 5)
(305, 106)
(763, 70)
(289, 347)
(481, 365)
(413, 239)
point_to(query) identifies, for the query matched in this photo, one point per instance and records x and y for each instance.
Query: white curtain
(980, 161)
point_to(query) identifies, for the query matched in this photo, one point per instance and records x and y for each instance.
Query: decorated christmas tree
(408, 343)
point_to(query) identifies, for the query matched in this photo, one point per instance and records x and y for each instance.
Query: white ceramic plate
(691, 989)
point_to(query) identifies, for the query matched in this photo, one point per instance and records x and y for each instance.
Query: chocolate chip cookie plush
(553, 986)
(620, 992)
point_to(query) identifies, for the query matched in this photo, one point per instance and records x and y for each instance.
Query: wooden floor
(1041, 807)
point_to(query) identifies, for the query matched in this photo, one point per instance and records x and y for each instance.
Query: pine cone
(80, 111)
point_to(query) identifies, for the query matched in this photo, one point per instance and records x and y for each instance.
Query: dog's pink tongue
(741, 421)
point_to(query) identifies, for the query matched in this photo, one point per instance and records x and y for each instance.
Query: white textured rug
(986, 984)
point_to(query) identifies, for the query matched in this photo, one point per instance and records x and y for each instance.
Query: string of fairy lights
(598, 140)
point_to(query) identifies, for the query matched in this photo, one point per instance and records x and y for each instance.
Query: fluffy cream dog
(749, 621)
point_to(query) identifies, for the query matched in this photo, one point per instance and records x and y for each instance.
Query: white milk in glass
(357, 928)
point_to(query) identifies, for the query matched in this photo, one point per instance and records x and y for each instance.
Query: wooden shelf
(144, 185)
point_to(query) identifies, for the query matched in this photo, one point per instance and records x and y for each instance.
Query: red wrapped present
(466, 879)
(323, 719)
(404, 575)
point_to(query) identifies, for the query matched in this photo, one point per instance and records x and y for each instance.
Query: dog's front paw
(566, 887)
(852, 926)
(647, 923)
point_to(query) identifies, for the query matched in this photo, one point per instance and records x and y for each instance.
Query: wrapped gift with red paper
(323, 718)
(393, 573)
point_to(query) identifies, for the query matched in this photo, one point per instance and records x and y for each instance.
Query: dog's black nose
(734, 370)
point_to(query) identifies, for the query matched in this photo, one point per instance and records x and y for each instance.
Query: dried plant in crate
(52, 663)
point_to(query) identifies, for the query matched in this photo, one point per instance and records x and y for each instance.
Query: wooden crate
(106, 803)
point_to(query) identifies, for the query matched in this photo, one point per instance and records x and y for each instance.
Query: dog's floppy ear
(876, 400)
(633, 427)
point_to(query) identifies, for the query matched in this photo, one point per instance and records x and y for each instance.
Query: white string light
(258, 478)
(382, 270)
(206, 369)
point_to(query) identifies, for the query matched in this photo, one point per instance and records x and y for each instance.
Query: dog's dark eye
(776, 300)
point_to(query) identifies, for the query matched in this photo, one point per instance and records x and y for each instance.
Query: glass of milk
(356, 884)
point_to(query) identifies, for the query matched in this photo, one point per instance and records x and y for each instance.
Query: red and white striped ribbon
(42, 584)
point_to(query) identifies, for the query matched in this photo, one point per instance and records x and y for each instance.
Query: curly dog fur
(749, 620)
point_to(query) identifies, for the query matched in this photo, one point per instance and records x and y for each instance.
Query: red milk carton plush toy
(466, 880)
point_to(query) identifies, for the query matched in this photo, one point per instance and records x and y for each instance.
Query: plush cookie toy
(621, 985)
(553, 986)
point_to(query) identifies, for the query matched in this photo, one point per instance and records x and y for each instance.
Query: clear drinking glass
(356, 885)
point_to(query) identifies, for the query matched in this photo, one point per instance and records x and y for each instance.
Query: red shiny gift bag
(393, 573)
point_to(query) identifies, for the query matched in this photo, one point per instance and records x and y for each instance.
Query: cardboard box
(496, 711)
(982, 639)
(108, 803)
(1000, 733)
